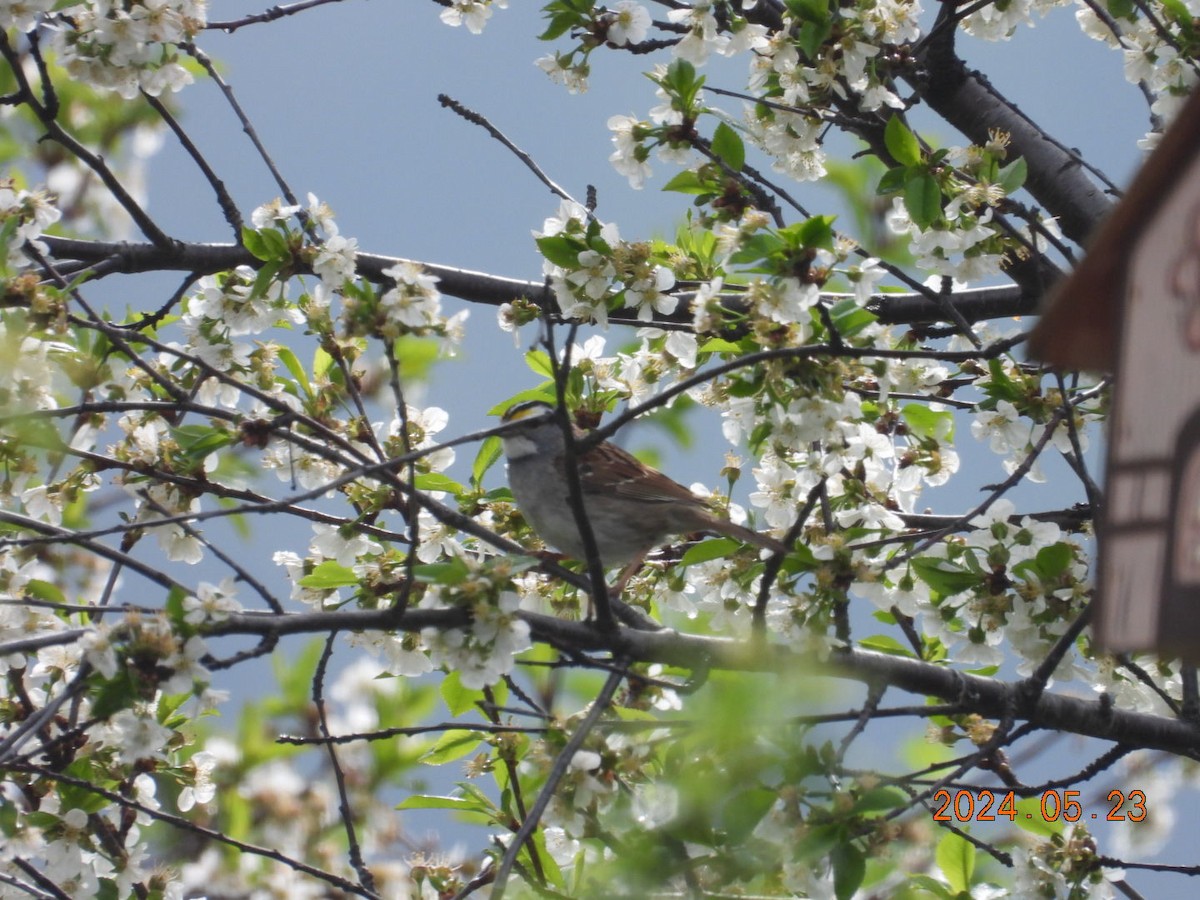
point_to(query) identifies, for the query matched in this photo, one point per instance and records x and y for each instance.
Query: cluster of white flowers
(584, 291)
(413, 304)
(129, 46)
(34, 212)
(953, 250)
(472, 13)
(998, 22)
(23, 15)
(485, 651)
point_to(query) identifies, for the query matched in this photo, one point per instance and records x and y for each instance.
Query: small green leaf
(539, 362)
(689, 182)
(943, 576)
(262, 281)
(560, 250)
(923, 199)
(930, 886)
(1030, 817)
(416, 356)
(436, 481)
(744, 811)
(292, 364)
(929, 423)
(879, 800)
(717, 548)
(816, 233)
(489, 451)
(449, 573)
(1012, 176)
(457, 698)
(452, 745)
(115, 694)
(44, 590)
(198, 441)
(956, 859)
(849, 867)
(1052, 561)
(901, 142)
(814, 32)
(429, 801)
(892, 180)
(254, 243)
(276, 243)
(329, 575)
(721, 345)
(809, 10)
(883, 643)
(728, 147)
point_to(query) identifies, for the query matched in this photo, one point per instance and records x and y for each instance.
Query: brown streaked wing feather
(630, 478)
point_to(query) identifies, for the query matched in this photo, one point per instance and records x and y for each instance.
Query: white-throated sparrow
(631, 507)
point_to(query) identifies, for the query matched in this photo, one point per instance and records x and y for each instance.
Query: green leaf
(560, 250)
(117, 693)
(808, 10)
(901, 142)
(436, 481)
(1030, 818)
(1012, 176)
(329, 575)
(1178, 11)
(198, 441)
(689, 182)
(814, 32)
(253, 241)
(850, 318)
(929, 885)
(489, 451)
(452, 745)
(744, 811)
(416, 356)
(816, 232)
(929, 423)
(721, 345)
(758, 246)
(277, 245)
(262, 281)
(1052, 561)
(879, 800)
(44, 590)
(728, 147)
(560, 24)
(449, 573)
(884, 643)
(923, 199)
(892, 180)
(292, 364)
(849, 867)
(956, 859)
(457, 698)
(429, 801)
(943, 576)
(717, 548)
(539, 362)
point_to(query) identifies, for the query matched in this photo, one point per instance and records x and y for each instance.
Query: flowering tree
(685, 736)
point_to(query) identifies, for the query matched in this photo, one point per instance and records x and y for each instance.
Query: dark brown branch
(988, 697)
(908, 308)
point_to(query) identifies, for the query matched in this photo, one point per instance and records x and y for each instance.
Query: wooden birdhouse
(1132, 308)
